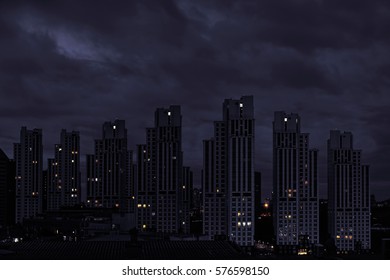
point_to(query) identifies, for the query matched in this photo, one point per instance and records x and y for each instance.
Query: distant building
(63, 177)
(185, 201)
(44, 190)
(295, 185)
(162, 191)
(28, 158)
(7, 190)
(348, 195)
(258, 203)
(228, 175)
(110, 170)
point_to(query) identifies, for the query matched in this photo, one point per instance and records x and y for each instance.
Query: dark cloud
(74, 65)
(299, 74)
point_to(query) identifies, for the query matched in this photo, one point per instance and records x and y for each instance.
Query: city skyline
(266, 191)
(153, 198)
(71, 66)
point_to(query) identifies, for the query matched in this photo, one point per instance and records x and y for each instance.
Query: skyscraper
(160, 174)
(7, 190)
(348, 194)
(295, 185)
(109, 170)
(28, 157)
(63, 178)
(228, 174)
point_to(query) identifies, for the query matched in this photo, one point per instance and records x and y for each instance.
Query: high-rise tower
(63, 182)
(109, 170)
(348, 194)
(295, 185)
(160, 175)
(228, 174)
(28, 157)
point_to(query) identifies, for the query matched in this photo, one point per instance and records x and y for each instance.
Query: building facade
(109, 170)
(28, 156)
(295, 185)
(228, 175)
(63, 176)
(348, 195)
(7, 190)
(185, 200)
(161, 192)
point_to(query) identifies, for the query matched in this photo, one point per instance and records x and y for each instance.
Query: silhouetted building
(63, 178)
(185, 196)
(7, 190)
(160, 174)
(348, 194)
(228, 174)
(197, 198)
(295, 185)
(109, 170)
(44, 190)
(258, 202)
(28, 158)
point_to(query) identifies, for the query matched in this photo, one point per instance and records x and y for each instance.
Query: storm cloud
(74, 65)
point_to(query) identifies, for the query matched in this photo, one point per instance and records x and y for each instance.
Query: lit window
(143, 226)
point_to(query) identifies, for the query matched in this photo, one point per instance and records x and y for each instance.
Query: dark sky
(75, 64)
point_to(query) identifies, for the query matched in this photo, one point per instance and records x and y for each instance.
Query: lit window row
(345, 237)
(142, 205)
(239, 224)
